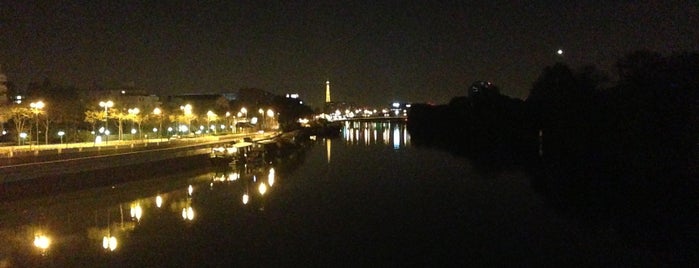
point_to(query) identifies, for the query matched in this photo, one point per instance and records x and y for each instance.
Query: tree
(19, 116)
(137, 118)
(120, 116)
(92, 117)
(222, 105)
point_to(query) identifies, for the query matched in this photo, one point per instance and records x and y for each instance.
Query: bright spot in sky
(559, 52)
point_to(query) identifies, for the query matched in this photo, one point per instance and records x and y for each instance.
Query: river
(367, 197)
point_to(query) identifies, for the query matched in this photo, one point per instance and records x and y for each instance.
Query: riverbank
(50, 171)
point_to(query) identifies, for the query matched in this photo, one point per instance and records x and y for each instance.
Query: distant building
(254, 97)
(250, 98)
(124, 98)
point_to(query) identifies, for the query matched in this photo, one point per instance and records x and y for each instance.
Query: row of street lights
(38, 106)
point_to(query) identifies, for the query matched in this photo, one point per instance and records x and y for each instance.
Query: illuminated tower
(327, 91)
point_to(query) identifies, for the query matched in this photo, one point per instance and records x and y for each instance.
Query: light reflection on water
(101, 222)
(367, 133)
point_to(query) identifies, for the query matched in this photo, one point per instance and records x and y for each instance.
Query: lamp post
(60, 134)
(23, 136)
(228, 121)
(245, 112)
(159, 113)
(187, 110)
(36, 108)
(106, 105)
(270, 116)
(262, 114)
(133, 113)
(210, 116)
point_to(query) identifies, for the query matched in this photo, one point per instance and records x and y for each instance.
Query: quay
(32, 163)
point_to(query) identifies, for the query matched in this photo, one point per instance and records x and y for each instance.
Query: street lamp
(106, 105)
(270, 116)
(133, 113)
(228, 121)
(245, 112)
(187, 110)
(211, 116)
(60, 134)
(262, 114)
(23, 136)
(159, 113)
(36, 108)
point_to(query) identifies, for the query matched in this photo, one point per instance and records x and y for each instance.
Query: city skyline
(373, 53)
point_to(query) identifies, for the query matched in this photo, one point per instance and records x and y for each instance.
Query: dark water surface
(365, 198)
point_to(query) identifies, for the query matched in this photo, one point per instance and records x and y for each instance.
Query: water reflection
(328, 149)
(97, 223)
(367, 133)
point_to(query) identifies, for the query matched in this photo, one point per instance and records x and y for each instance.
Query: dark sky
(373, 53)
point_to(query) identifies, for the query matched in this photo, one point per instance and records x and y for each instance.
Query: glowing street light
(23, 136)
(244, 112)
(159, 113)
(106, 105)
(36, 108)
(211, 116)
(158, 201)
(109, 242)
(42, 242)
(262, 188)
(133, 113)
(187, 111)
(60, 134)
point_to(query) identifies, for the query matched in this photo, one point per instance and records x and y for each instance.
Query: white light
(42, 241)
(188, 213)
(246, 198)
(136, 211)
(559, 52)
(158, 201)
(262, 188)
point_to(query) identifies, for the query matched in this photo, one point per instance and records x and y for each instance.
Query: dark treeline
(619, 155)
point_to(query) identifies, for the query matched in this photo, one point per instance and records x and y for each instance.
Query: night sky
(373, 53)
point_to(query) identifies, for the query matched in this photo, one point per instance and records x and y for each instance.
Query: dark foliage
(290, 110)
(622, 156)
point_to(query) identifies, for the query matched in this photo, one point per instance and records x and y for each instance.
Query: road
(15, 155)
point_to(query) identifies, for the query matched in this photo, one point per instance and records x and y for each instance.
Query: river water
(367, 197)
